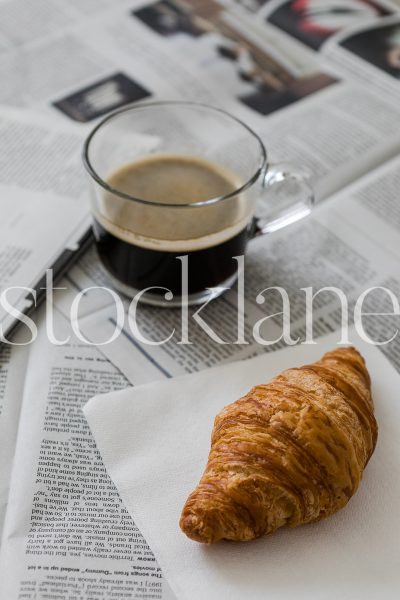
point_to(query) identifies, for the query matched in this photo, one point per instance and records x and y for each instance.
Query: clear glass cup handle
(286, 197)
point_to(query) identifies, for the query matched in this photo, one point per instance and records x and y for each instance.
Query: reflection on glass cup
(174, 179)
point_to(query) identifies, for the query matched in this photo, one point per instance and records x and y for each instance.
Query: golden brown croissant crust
(291, 451)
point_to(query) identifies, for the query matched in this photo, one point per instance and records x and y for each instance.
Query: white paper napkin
(155, 439)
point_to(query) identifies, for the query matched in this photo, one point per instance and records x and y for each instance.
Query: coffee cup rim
(144, 105)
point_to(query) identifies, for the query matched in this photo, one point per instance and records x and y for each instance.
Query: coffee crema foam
(173, 179)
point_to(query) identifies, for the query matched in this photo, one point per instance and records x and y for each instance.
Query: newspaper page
(304, 109)
(351, 242)
(115, 53)
(67, 534)
(13, 361)
(107, 62)
(36, 38)
(43, 208)
(369, 217)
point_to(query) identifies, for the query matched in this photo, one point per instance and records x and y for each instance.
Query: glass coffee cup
(183, 184)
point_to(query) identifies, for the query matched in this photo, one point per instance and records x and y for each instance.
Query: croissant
(291, 451)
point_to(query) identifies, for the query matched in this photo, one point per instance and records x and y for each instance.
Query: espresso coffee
(139, 240)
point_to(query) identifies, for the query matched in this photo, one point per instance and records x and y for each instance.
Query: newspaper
(115, 53)
(12, 368)
(41, 183)
(67, 533)
(62, 538)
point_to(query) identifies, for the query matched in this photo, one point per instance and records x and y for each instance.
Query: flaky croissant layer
(290, 452)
